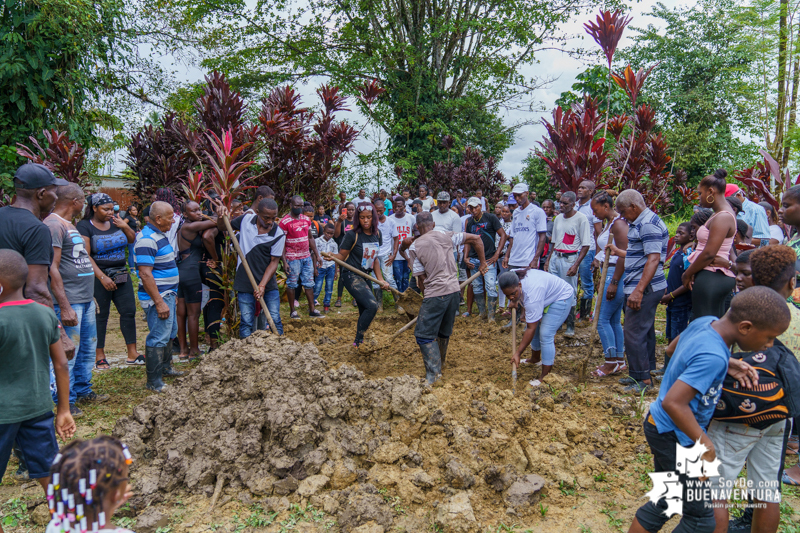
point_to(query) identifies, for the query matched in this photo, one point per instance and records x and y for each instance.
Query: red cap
(731, 189)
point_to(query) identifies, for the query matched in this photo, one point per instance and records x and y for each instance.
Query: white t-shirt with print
(526, 224)
(401, 228)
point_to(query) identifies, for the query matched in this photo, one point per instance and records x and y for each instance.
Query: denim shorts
(736, 444)
(301, 270)
(37, 441)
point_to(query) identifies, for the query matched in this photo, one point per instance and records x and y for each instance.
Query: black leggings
(361, 291)
(126, 307)
(212, 312)
(709, 292)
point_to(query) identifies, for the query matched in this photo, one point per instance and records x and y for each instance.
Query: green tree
(594, 82)
(449, 67)
(537, 176)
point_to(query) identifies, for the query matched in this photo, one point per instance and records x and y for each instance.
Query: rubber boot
(432, 360)
(481, 305)
(153, 364)
(442, 342)
(166, 364)
(570, 332)
(589, 310)
(491, 308)
(379, 296)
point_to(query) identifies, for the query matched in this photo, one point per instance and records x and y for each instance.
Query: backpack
(775, 398)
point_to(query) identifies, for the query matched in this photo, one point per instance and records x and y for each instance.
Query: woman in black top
(360, 248)
(190, 284)
(343, 224)
(132, 218)
(107, 237)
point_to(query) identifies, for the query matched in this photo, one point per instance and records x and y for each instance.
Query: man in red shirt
(297, 254)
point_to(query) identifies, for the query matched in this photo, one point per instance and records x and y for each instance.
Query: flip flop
(101, 362)
(527, 361)
(787, 480)
(138, 361)
(598, 373)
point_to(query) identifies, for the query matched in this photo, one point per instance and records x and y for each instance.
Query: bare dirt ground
(276, 435)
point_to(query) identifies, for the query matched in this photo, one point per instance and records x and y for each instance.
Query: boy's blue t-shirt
(701, 361)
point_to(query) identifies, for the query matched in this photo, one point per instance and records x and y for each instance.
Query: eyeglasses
(365, 208)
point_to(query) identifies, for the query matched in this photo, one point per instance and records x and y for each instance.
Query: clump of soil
(269, 418)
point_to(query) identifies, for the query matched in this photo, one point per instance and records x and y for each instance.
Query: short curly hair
(773, 266)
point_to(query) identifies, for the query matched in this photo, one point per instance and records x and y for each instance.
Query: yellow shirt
(791, 337)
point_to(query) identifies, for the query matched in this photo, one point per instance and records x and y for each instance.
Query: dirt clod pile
(268, 417)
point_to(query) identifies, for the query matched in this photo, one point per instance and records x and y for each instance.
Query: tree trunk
(784, 162)
(783, 36)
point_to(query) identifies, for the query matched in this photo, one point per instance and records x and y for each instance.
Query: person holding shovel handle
(359, 249)
(432, 260)
(547, 300)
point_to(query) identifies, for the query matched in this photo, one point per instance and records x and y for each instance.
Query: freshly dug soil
(267, 419)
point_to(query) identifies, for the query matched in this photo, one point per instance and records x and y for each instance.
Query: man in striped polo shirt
(644, 284)
(158, 291)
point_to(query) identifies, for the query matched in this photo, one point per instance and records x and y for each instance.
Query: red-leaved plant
(227, 167)
(473, 172)
(632, 84)
(63, 157)
(194, 187)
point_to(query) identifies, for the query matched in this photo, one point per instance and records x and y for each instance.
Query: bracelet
(615, 282)
(671, 295)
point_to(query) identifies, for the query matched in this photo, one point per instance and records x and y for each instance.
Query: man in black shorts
(433, 264)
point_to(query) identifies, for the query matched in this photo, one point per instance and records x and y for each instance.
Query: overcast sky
(551, 64)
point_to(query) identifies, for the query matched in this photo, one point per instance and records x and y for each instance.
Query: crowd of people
(724, 278)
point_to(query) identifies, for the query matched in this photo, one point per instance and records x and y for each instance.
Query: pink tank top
(723, 253)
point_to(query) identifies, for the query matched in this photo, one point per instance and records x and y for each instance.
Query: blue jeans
(388, 273)
(401, 273)
(677, 321)
(545, 337)
(247, 311)
(162, 330)
(84, 337)
(301, 270)
(609, 326)
(585, 271)
(489, 279)
(324, 275)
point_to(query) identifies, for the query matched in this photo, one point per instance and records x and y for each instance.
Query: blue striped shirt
(754, 214)
(646, 235)
(152, 248)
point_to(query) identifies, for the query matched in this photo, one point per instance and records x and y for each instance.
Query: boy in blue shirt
(691, 387)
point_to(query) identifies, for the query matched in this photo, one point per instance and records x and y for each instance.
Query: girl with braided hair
(88, 483)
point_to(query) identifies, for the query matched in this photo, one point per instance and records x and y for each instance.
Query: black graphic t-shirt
(107, 246)
(363, 249)
(486, 228)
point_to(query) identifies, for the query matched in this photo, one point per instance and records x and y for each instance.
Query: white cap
(473, 202)
(519, 188)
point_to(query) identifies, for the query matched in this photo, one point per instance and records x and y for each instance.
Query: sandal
(316, 314)
(466, 315)
(102, 362)
(294, 315)
(189, 358)
(527, 361)
(138, 361)
(338, 303)
(787, 480)
(792, 450)
(598, 373)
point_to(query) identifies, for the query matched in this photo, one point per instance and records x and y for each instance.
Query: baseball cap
(512, 200)
(473, 202)
(519, 188)
(731, 189)
(417, 201)
(505, 193)
(443, 196)
(36, 176)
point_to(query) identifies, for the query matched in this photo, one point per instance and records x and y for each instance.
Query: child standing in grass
(678, 298)
(691, 387)
(29, 340)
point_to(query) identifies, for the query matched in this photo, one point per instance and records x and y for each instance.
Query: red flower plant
(227, 171)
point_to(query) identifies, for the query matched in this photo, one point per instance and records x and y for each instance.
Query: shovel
(410, 300)
(514, 349)
(582, 373)
(249, 272)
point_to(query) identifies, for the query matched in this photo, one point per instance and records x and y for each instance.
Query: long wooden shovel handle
(354, 270)
(253, 282)
(404, 328)
(584, 366)
(514, 347)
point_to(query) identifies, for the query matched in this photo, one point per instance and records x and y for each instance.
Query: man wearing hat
(22, 230)
(444, 218)
(459, 200)
(752, 213)
(504, 201)
(487, 227)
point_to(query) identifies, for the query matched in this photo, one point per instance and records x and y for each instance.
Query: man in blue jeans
(584, 206)
(72, 286)
(158, 293)
(262, 242)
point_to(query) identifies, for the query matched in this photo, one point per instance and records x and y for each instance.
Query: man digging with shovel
(431, 257)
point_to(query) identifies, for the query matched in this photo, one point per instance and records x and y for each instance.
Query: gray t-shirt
(75, 268)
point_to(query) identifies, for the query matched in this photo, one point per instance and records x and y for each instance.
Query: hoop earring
(711, 201)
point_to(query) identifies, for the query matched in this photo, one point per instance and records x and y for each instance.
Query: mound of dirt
(269, 418)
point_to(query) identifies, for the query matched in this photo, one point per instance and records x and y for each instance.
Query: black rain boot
(166, 364)
(432, 360)
(481, 305)
(153, 366)
(570, 332)
(442, 342)
(378, 296)
(491, 308)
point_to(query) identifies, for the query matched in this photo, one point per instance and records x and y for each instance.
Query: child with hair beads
(30, 338)
(89, 482)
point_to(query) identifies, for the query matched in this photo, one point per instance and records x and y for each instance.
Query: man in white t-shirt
(585, 192)
(402, 223)
(386, 227)
(504, 201)
(444, 218)
(572, 238)
(528, 231)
